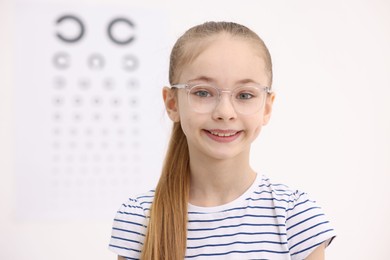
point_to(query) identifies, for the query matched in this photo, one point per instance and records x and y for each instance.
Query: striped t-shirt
(269, 221)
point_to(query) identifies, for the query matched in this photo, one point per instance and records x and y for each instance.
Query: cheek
(192, 123)
(186, 120)
(182, 104)
(255, 123)
(256, 128)
(185, 126)
(257, 132)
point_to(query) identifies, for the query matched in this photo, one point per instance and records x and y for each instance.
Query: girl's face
(223, 133)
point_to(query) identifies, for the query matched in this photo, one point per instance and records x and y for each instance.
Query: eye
(203, 91)
(245, 95)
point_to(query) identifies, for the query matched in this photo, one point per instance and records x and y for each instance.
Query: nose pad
(224, 109)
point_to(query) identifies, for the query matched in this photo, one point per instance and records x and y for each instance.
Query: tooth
(223, 134)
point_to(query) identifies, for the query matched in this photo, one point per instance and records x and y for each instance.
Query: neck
(217, 182)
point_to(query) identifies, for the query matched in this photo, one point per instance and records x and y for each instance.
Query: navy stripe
(128, 231)
(234, 217)
(272, 191)
(129, 222)
(257, 199)
(145, 196)
(239, 233)
(307, 249)
(125, 248)
(316, 235)
(273, 185)
(303, 211)
(315, 216)
(233, 226)
(131, 206)
(290, 192)
(129, 240)
(238, 242)
(132, 214)
(239, 208)
(134, 200)
(241, 252)
(298, 204)
(303, 231)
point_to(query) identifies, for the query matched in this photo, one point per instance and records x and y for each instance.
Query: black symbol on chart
(115, 37)
(71, 19)
(61, 60)
(96, 61)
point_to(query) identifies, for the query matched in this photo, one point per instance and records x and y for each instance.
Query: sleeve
(128, 230)
(307, 226)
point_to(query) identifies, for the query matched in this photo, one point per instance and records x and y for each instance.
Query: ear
(268, 108)
(171, 104)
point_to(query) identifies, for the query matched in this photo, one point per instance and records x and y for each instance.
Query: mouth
(224, 136)
(222, 133)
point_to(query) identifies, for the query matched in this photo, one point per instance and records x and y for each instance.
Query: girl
(209, 203)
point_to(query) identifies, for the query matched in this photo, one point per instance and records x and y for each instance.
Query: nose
(224, 109)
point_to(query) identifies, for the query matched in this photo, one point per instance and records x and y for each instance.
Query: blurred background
(82, 123)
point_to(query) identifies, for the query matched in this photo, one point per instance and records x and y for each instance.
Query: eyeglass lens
(245, 99)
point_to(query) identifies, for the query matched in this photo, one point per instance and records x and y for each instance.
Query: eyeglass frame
(220, 91)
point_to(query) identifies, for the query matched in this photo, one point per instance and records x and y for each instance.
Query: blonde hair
(166, 236)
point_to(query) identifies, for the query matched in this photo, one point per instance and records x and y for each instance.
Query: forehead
(227, 59)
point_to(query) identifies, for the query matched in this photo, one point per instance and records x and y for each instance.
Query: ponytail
(166, 236)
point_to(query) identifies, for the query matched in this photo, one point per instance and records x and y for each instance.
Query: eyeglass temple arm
(179, 85)
(268, 90)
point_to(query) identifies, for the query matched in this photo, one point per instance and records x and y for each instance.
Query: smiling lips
(223, 136)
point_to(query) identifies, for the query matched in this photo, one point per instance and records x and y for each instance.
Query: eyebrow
(245, 81)
(201, 78)
(209, 79)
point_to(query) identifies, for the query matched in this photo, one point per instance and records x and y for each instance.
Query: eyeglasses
(247, 99)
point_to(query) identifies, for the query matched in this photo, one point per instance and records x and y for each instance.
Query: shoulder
(306, 225)
(276, 193)
(130, 224)
(137, 205)
(135, 210)
(265, 184)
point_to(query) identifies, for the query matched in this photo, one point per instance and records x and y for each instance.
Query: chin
(226, 154)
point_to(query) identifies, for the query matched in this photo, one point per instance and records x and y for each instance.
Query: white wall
(329, 134)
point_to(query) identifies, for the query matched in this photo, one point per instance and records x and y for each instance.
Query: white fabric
(269, 221)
